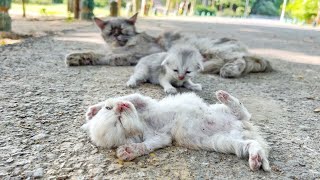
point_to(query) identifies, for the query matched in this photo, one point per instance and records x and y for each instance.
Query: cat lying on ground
(223, 56)
(175, 67)
(137, 125)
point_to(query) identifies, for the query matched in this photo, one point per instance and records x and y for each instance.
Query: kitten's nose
(122, 106)
(181, 77)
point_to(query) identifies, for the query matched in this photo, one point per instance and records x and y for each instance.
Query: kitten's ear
(133, 19)
(100, 23)
(93, 110)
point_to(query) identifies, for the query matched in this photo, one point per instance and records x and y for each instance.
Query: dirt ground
(43, 103)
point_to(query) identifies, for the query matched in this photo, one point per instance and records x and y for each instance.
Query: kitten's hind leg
(233, 69)
(192, 86)
(236, 107)
(82, 59)
(140, 75)
(258, 156)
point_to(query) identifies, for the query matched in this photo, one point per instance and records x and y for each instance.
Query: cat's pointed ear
(100, 23)
(133, 19)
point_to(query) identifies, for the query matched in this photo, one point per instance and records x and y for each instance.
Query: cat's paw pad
(196, 87)
(171, 90)
(255, 162)
(223, 96)
(130, 151)
(132, 83)
(126, 153)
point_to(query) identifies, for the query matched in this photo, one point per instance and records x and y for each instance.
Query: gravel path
(43, 104)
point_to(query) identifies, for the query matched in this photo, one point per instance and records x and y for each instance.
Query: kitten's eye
(187, 72)
(175, 70)
(108, 107)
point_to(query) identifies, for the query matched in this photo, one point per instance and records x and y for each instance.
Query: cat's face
(118, 31)
(183, 63)
(116, 121)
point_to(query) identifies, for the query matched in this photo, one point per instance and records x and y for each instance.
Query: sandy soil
(43, 104)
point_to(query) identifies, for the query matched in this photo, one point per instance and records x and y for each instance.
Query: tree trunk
(205, 2)
(24, 8)
(246, 10)
(135, 6)
(5, 20)
(168, 2)
(283, 10)
(119, 7)
(76, 9)
(317, 20)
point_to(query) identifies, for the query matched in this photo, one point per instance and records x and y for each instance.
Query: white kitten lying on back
(138, 125)
(175, 67)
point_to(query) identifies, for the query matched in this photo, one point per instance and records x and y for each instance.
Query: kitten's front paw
(171, 90)
(132, 83)
(196, 87)
(130, 151)
(223, 96)
(78, 59)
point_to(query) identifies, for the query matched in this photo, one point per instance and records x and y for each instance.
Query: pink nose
(122, 106)
(181, 77)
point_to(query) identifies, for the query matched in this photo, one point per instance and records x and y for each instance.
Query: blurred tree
(304, 10)
(5, 20)
(87, 7)
(23, 8)
(266, 7)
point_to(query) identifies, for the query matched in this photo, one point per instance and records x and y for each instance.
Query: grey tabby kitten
(224, 56)
(175, 67)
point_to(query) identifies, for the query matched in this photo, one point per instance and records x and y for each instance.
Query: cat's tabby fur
(224, 56)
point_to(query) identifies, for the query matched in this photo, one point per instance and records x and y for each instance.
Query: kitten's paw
(196, 87)
(171, 90)
(257, 160)
(132, 83)
(223, 96)
(78, 59)
(130, 151)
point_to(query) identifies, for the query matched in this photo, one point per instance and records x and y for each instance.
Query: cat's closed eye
(108, 107)
(175, 70)
(187, 72)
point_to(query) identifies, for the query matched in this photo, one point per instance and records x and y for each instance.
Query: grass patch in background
(54, 10)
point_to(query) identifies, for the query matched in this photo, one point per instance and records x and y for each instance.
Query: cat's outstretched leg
(130, 151)
(258, 156)
(91, 58)
(236, 107)
(192, 86)
(233, 69)
(83, 59)
(140, 75)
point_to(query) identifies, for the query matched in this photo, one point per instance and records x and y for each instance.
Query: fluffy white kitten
(175, 67)
(138, 125)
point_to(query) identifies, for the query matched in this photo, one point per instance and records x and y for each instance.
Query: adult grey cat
(175, 67)
(225, 56)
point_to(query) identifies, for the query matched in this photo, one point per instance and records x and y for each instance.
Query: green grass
(52, 10)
